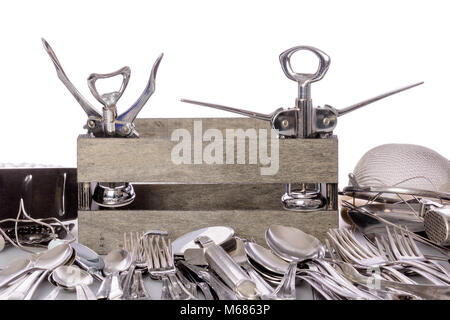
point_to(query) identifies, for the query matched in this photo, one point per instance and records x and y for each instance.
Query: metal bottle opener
(303, 121)
(109, 123)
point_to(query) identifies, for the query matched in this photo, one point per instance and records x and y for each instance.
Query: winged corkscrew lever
(108, 123)
(303, 121)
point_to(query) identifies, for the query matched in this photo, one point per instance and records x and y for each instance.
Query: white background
(227, 53)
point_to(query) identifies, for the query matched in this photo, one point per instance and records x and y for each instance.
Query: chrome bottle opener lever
(304, 120)
(108, 123)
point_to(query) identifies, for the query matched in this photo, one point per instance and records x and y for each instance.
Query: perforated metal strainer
(393, 170)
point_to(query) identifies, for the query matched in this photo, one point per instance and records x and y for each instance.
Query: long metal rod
(371, 100)
(251, 114)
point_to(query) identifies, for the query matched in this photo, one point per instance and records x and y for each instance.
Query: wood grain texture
(103, 230)
(148, 159)
(207, 197)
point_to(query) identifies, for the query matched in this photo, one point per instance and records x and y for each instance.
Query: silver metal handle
(87, 107)
(247, 113)
(88, 292)
(132, 112)
(304, 79)
(36, 284)
(109, 99)
(53, 294)
(358, 105)
(228, 270)
(116, 291)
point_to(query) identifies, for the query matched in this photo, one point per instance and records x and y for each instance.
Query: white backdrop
(227, 53)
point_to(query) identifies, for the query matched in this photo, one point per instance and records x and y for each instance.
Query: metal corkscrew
(303, 121)
(108, 123)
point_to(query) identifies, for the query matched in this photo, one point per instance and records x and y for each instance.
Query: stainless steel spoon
(240, 257)
(88, 260)
(72, 277)
(265, 258)
(85, 258)
(116, 261)
(45, 260)
(292, 244)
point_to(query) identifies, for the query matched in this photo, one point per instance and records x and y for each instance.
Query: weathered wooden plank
(207, 197)
(148, 159)
(103, 230)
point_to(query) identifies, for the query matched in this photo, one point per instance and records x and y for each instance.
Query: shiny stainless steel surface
(363, 211)
(393, 172)
(161, 265)
(240, 257)
(134, 242)
(109, 123)
(292, 244)
(265, 258)
(46, 260)
(414, 290)
(113, 195)
(116, 261)
(71, 277)
(228, 270)
(219, 234)
(437, 225)
(303, 121)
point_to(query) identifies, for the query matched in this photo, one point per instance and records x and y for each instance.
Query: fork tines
(159, 254)
(134, 243)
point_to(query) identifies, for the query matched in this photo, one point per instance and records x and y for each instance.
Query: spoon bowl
(293, 244)
(265, 258)
(117, 260)
(70, 276)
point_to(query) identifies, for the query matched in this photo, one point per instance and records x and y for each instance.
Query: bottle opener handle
(304, 79)
(109, 99)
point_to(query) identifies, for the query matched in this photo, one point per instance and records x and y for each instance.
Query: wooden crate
(184, 197)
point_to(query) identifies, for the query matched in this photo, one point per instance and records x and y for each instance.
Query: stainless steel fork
(160, 263)
(350, 250)
(400, 247)
(133, 287)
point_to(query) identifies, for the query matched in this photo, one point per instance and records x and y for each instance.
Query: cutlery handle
(88, 292)
(116, 291)
(228, 270)
(6, 279)
(36, 285)
(105, 288)
(261, 285)
(53, 294)
(21, 291)
(128, 282)
(80, 293)
(205, 290)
